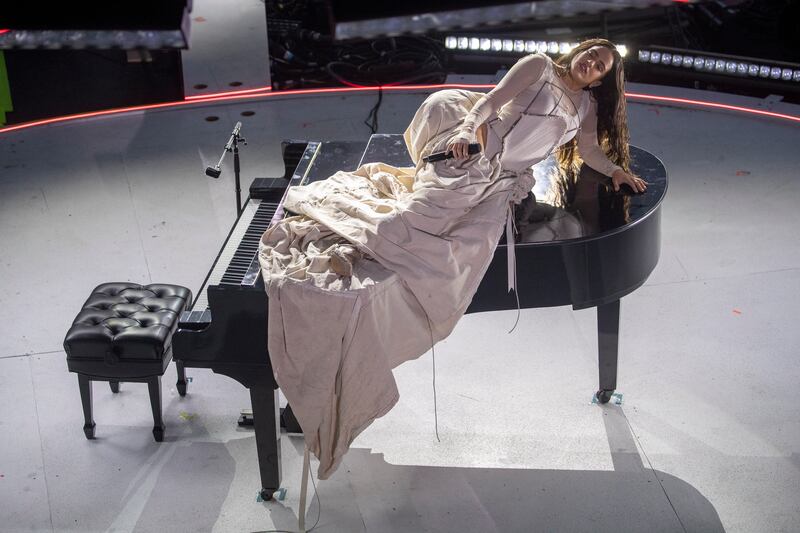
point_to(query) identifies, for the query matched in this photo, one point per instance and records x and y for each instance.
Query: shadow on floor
(399, 498)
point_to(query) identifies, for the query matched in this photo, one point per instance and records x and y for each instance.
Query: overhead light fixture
(721, 65)
(517, 46)
(145, 24)
(349, 20)
(94, 39)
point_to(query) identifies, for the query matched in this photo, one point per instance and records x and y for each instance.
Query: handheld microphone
(213, 172)
(474, 148)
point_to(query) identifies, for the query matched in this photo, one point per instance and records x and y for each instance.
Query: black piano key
(247, 249)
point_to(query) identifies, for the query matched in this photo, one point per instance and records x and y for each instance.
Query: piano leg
(607, 344)
(268, 433)
(289, 421)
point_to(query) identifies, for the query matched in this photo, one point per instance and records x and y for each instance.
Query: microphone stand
(231, 146)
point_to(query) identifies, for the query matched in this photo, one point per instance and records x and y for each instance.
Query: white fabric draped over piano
(416, 243)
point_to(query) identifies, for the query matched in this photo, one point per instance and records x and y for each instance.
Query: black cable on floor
(372, 117)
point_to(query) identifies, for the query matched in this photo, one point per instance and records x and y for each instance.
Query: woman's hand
(459, 147)
(621, 177)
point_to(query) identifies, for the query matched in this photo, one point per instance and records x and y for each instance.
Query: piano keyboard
(235, 257)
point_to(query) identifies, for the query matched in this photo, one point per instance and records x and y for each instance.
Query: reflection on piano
(226, 329)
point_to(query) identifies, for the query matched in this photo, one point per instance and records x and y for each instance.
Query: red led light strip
(713, 105)
(229, 93)
(236, 95)
(226, 98)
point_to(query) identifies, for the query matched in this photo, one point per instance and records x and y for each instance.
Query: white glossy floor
(706, 439)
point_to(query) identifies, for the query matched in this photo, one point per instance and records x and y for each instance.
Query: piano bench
(124, 333)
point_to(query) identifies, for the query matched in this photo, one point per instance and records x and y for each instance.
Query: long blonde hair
(612, 121)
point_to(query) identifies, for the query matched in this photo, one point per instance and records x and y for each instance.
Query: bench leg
(85, 385)
(114, 386)
(181, 384)
(154, 387)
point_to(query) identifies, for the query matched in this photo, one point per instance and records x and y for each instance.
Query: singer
(377, 265)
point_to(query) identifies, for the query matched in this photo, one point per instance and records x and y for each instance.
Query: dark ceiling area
(305, 51)
(305, 54)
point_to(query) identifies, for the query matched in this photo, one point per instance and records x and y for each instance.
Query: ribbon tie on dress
(512, 258)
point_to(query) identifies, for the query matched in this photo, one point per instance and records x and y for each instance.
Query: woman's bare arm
(588, 146)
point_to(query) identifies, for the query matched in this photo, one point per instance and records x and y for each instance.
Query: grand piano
(579, 243)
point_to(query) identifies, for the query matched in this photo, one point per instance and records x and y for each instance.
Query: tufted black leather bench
(124, 333)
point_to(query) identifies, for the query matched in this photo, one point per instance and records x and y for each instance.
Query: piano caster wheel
(158, 433)
(89, 431)
(604, 395)
(266, 494)
(114, 386)
(181, 385)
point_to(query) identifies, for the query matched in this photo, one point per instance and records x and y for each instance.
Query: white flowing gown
(380, 263)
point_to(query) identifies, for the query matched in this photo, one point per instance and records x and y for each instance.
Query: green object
(5, 90)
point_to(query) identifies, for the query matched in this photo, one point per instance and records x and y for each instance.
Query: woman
(380, 263)
(594, 66)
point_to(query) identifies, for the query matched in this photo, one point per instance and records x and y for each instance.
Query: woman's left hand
(634, 182)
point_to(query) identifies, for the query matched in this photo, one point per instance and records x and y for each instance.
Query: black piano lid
(335, 156)
(325, 159)
(590, 202)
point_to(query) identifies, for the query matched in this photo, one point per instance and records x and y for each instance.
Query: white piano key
(224, 259)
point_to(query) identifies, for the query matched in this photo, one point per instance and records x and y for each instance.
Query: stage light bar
(144, 24)
(95, 39)
(398, 18)
(718, 65)
(516, 46)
